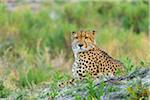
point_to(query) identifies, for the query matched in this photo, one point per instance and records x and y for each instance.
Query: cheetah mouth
(79, 49)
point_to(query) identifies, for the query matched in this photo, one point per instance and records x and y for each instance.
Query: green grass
(135, 89)
(34, 76)
(37, 44)
(4, 92)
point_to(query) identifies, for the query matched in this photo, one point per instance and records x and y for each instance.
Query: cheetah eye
(76, 37)
(86, 37)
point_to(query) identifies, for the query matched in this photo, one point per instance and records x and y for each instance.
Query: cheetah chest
(85, 63)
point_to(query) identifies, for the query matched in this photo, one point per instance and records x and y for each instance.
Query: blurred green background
(35, 36)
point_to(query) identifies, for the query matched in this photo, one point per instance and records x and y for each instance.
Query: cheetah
(90, 59)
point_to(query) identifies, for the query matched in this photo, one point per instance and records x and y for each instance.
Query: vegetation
(3, 91)
(35, 45)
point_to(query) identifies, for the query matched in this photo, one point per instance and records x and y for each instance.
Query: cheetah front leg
(74, 80)
(70, 82)
(66, 83)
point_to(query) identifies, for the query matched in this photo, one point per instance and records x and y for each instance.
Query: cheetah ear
(94, 32)
(73, 32)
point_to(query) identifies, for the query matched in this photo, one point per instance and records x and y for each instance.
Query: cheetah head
(82, 41)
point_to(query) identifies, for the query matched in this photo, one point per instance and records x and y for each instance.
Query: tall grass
(36, 44)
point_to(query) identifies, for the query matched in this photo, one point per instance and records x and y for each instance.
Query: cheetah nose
(80, 45)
